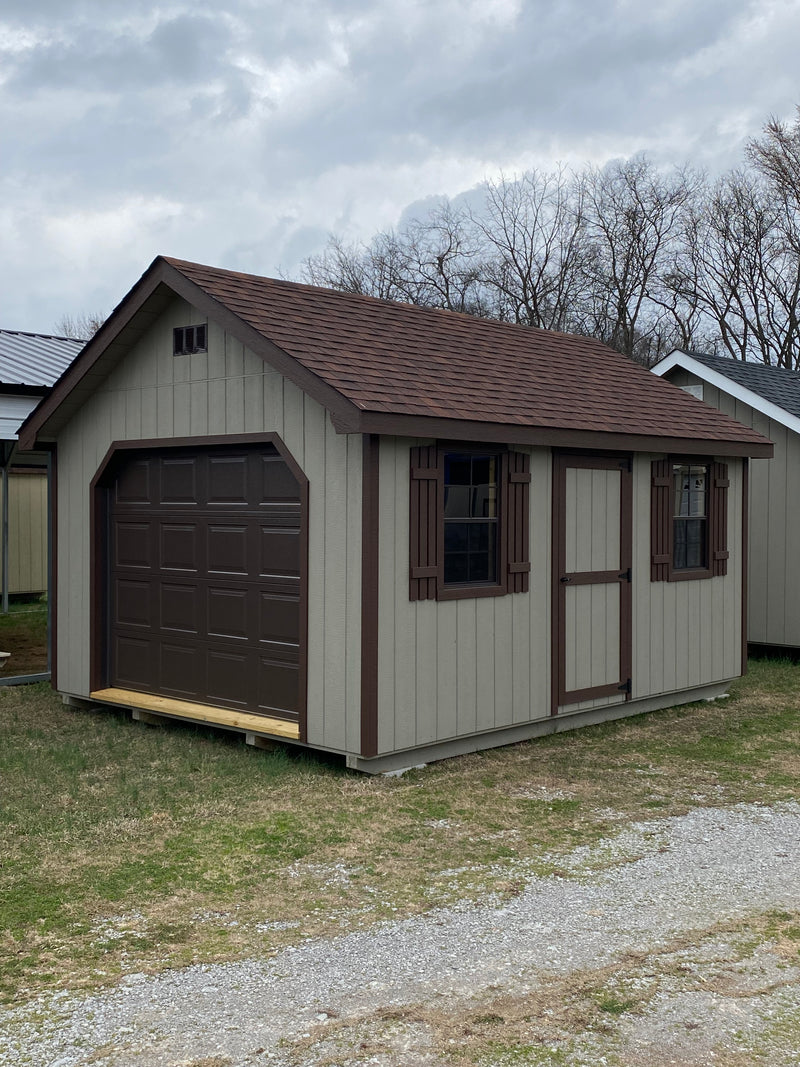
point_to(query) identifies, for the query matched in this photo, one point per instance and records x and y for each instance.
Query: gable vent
(187, 339)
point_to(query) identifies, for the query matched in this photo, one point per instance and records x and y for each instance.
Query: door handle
(566, 578)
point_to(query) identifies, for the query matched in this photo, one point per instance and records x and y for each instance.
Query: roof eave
(561, 437)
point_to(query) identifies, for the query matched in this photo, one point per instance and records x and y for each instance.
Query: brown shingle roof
(405, 360)
(385, 367)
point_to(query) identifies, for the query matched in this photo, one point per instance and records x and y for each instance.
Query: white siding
(229, 390)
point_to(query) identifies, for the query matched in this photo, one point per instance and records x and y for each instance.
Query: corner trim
(370, 484)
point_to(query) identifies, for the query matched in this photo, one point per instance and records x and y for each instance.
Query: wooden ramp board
(185, 709)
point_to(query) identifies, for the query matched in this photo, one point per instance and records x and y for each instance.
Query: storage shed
(380, 530)
(767, 399)
(30, 363)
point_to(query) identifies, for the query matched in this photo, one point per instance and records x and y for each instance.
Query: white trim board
(734, 389)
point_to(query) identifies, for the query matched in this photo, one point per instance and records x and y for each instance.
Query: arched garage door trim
(100, 552)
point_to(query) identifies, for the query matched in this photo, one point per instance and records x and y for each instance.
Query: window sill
(690, 574)
(470, 592)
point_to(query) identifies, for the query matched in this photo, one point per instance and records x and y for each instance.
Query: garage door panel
(205, 596)
(229, 677)
(277, 483)
(133, 485)
(180, 550)
(277, 684)
(279, 551)
(181, 608)
(228, 614)
(279, 618)
(181, 669)
(227, 480)
(179, 480)
(226, 547)
(133, 603)
(133, 545)
(134, 662)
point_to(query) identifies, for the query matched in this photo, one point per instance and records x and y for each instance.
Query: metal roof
(35, 359)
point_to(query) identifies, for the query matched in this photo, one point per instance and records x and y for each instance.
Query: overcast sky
(241, 132)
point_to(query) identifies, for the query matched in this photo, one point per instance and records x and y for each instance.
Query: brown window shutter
(718, 520)
(660, 519)
(517, 517)
(424, 523)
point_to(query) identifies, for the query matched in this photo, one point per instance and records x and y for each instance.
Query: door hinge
(625, 576)
(626, 686)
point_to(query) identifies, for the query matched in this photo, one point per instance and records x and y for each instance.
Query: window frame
(683, 574)
(469, 590)
(662, 520)
(427, 522)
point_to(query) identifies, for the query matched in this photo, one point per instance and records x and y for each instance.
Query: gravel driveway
(661, 897)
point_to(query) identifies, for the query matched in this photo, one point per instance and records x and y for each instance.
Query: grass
(23, 633)
(130, 848)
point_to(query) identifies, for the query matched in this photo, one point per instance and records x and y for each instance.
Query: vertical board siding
(27, 532)
(773, 616)
(228, 390)
(451, 668)
(685, 634)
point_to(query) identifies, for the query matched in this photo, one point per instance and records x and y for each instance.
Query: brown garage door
(204, 559)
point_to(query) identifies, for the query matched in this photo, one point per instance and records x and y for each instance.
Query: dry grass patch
(220, 851)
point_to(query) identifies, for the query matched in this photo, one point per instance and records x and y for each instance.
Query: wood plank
(185, 709)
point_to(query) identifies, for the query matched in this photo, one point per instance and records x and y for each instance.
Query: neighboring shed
(768, 399)
(380, 530)
(30, 364)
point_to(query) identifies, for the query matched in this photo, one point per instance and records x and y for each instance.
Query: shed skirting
(460, 746)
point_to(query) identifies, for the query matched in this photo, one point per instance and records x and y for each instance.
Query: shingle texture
(780, 386)
(406, 360)
(33, 358)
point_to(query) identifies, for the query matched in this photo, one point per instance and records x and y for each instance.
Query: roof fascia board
(727, 385)
(91, 353)
(510, 433)
(162, 272)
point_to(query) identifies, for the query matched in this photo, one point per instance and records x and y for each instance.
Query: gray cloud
(240, 131)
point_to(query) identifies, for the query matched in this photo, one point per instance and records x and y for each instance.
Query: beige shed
(767, 399)
(380, 530)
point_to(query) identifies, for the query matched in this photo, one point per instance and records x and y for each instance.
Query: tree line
(644, 259)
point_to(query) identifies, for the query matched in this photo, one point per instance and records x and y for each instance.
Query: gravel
(637, 891)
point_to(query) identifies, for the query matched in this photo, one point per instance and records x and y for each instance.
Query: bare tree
(776, 155)
(533, 228)
(740, 267)
(433, 262)
(642, 259)
(633, 218)
(375, 269)
(80, 327)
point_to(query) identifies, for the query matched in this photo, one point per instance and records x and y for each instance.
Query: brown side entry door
(204, 578)
(592, 516)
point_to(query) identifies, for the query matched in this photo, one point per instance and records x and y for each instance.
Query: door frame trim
(99, 549)
(590, 461)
